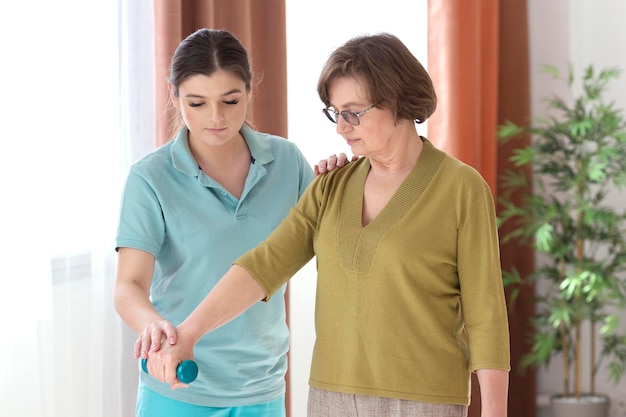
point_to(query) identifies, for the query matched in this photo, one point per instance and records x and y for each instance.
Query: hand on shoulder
(332, 162)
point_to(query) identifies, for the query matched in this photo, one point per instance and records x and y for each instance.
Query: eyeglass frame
(346, 114)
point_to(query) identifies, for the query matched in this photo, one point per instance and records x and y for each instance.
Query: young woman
(410, 298)
(188, 210)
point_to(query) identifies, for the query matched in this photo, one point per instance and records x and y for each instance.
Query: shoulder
(154, 161)
(456, 176)
(455, 170)
(266, 147)
(465, 171)
(275, 141)
(339, 176)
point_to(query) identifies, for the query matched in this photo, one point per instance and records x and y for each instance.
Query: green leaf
(544, 237)
(509, 130)
(611, 322)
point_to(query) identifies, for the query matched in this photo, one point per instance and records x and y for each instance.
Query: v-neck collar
(363, 240)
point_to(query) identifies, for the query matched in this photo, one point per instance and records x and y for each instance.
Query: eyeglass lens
(349, 116)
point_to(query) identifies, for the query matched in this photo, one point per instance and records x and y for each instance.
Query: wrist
(187, 333)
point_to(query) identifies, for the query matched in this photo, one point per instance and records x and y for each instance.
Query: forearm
(494, 389)
(132, 289)
(133, 305)
(232, 295)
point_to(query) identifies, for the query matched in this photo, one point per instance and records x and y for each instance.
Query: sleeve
(141, 224)
(305, 171)
(290, 246)
(482, 291)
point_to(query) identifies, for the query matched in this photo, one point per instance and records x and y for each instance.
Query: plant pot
(585, 406)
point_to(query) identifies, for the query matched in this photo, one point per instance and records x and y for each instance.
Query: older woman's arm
(494, 391)
(232, 295)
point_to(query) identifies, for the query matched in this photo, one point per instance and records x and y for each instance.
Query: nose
(343, 126)
(215, 113)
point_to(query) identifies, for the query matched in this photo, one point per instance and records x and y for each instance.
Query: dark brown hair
(392, 76)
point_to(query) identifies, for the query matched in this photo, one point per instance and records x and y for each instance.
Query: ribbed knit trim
(356, 245)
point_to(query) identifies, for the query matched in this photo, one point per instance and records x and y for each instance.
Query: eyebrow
(233, 91)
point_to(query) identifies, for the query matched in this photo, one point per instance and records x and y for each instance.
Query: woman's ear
(173, 97)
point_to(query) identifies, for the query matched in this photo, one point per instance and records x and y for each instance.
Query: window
(61, 181)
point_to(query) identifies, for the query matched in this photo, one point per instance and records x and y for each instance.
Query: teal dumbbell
(186, 371)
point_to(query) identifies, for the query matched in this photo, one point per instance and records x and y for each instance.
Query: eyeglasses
(349, 116)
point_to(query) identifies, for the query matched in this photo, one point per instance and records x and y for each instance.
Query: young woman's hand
(332, 162)
(153, 336)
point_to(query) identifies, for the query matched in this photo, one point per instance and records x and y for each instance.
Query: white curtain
(74, 118)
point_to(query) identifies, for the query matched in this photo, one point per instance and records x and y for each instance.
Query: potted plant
(555, 201)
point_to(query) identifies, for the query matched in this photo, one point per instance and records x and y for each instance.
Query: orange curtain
(260, 26)
(463, 62)
(478, 59)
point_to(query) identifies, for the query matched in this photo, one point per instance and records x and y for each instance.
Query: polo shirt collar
(184, 162)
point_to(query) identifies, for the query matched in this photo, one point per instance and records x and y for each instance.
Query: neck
(221, 156)
(402, 158)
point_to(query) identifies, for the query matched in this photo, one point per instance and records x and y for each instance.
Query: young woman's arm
(132, 301)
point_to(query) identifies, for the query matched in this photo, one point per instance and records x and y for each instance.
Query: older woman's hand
(162, 363)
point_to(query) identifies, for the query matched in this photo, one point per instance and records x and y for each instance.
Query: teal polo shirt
(195, 229)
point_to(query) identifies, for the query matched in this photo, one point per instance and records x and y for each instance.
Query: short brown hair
(393, 77)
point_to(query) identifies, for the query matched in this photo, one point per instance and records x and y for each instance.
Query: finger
(342, 159)
(156, 366)
(145, 341)
(354, 158)
(332, 162)
(316, 170)
(177, 385)
(137, 348)
(170, 333)
(169, 372)
(322, 166)
(156, 339)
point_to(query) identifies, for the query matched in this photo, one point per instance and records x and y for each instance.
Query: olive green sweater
(408, 305)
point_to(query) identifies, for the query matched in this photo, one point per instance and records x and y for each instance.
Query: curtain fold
(462, 60)
(514, 105)
(478, 59)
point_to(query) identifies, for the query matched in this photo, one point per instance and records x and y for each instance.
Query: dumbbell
(186, 371)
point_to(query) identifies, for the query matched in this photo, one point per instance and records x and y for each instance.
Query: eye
(232, 102)
(191, 104)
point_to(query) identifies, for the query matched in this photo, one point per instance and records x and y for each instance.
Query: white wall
(580, 32)
(312, 34)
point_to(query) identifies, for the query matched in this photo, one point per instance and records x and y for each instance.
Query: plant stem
(580, 257)
(593, 357)
(577, 361)
(564, 341)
